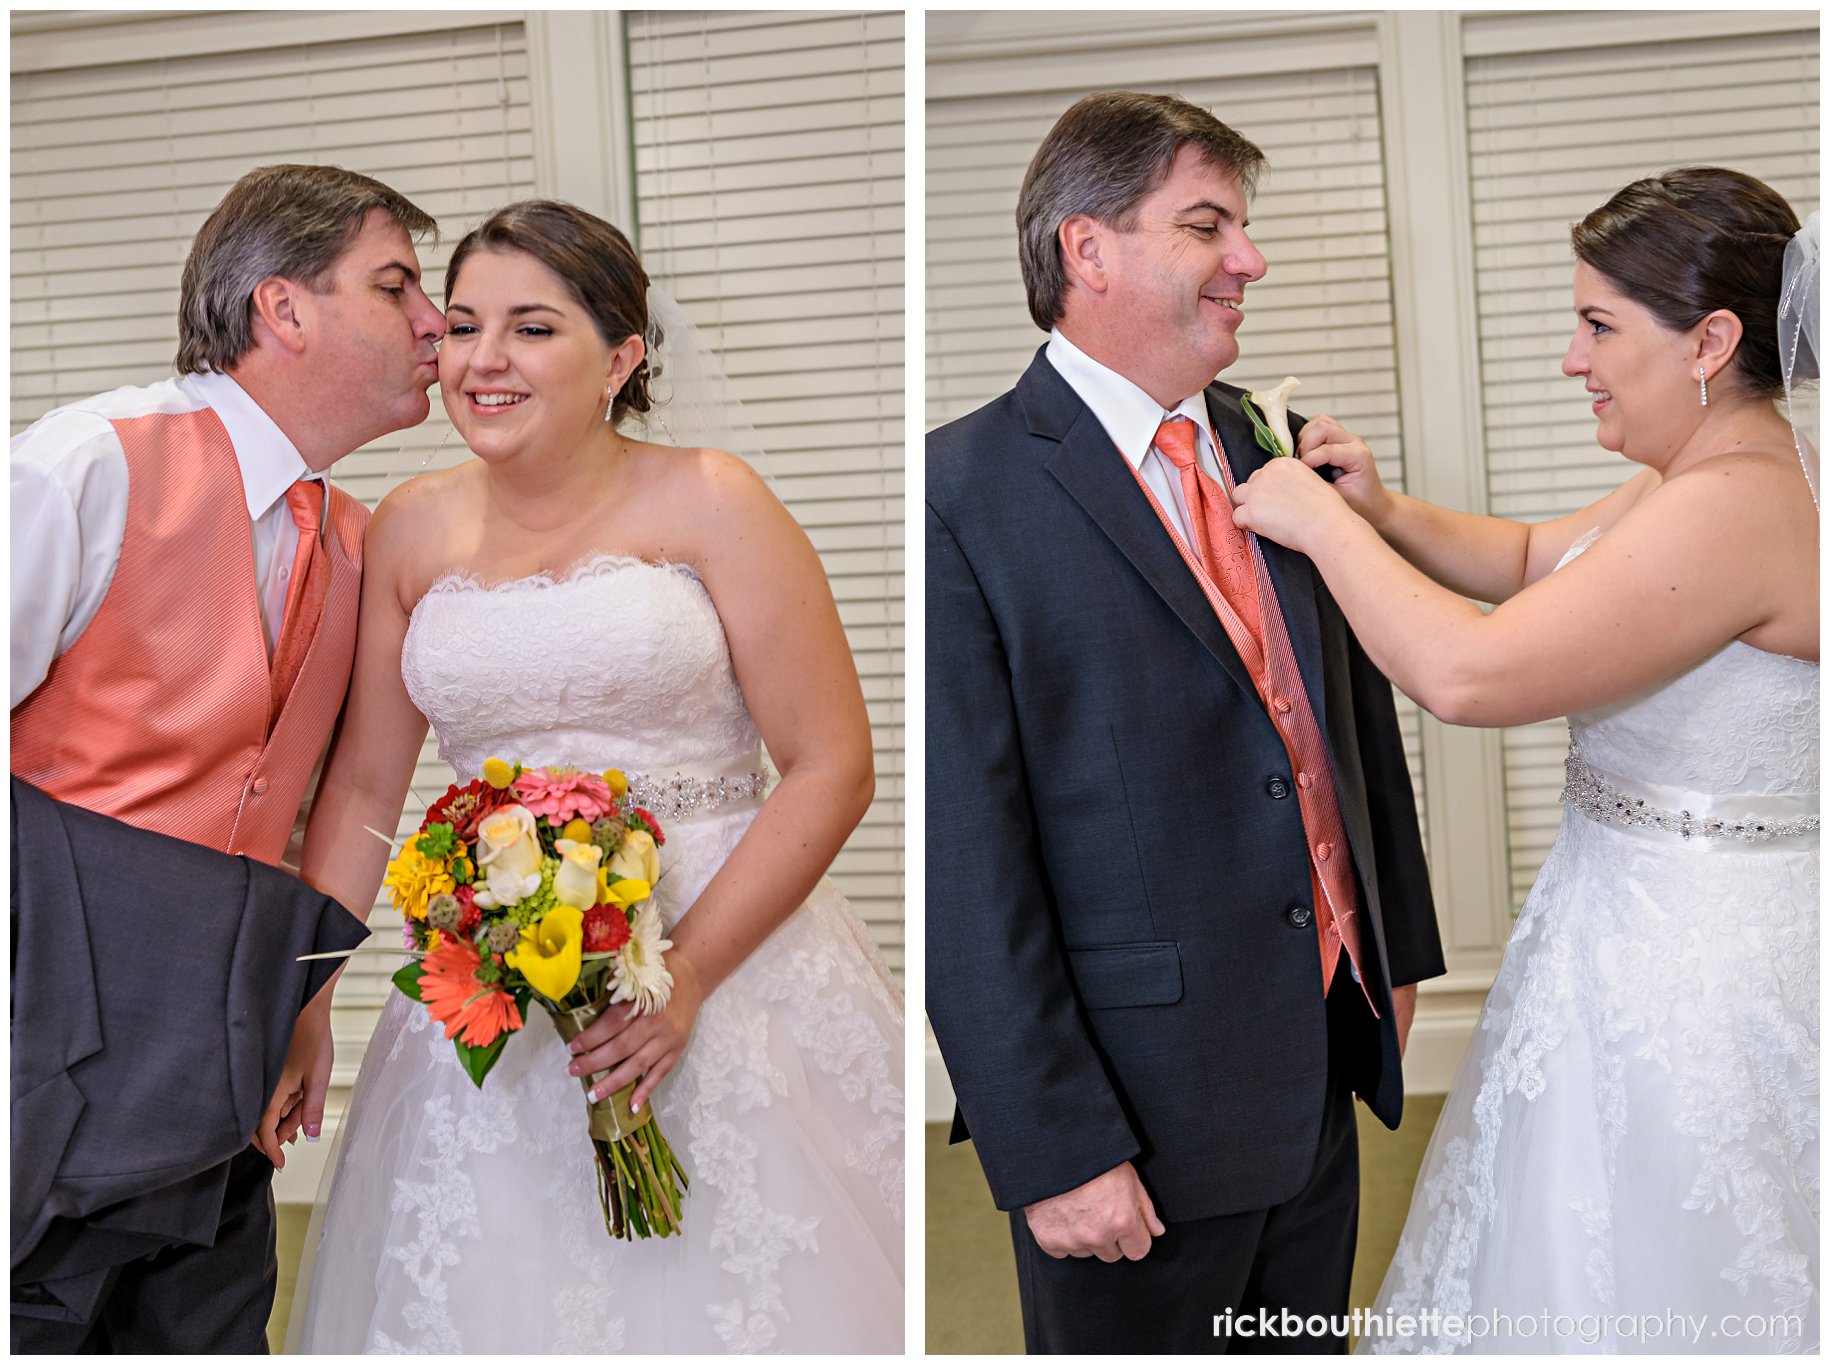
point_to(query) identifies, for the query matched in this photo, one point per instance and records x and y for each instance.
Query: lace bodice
(1744, 721)
(618, 663)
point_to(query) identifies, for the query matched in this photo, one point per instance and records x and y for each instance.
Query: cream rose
(508, 853)
(575, 883)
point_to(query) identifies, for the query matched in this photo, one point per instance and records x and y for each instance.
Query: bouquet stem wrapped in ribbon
(531, 886)
(639, 1180)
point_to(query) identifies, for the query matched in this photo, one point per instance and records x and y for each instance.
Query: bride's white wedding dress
(467, 1220)
(1634, 1128)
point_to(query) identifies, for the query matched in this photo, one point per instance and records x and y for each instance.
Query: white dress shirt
(69, 510)
(1131, 417)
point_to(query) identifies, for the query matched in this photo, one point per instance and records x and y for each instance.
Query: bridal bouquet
(531, 886)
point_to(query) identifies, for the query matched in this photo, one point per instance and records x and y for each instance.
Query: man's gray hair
(1102, 158)
(290, 221)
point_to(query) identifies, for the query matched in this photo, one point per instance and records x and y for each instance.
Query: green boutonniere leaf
(1266, 439)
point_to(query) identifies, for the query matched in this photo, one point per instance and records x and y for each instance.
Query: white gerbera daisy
(639, 973)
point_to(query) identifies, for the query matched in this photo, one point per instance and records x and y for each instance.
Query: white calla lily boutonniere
(1270, 414)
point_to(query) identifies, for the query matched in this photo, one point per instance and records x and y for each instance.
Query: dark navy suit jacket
(1121, 961)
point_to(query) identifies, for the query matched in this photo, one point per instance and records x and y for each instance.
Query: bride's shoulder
(414, 520)
(1749, 483)
(707, 482)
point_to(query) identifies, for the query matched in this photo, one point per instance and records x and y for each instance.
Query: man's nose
(1247, 262)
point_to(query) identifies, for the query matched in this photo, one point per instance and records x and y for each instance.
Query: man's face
(372, 335)
(1176, 280)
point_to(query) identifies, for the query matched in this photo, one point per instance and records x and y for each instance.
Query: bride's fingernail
(575, 1048)
(635, 1106)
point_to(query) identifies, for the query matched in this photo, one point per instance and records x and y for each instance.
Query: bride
(1633, 1133)
(576, 597)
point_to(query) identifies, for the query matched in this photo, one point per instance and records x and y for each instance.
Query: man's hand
(298, 1100)
(1110, 1216)
(1404, 1008)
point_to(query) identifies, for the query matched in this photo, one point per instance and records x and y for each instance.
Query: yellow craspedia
(614, 779)
(413, 879)
(577, 830)
(497, 773)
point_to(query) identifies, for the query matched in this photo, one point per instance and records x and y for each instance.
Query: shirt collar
(1129, 415)
(270, 463)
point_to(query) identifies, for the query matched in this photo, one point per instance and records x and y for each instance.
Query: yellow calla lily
(627, 892)
(551, 951)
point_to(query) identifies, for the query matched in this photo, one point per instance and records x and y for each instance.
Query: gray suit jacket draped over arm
(155, 987)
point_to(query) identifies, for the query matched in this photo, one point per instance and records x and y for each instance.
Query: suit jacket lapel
(1292, 575)
(1089, 466)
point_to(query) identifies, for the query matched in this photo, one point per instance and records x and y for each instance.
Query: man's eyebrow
(1220, 209)
(405, 269)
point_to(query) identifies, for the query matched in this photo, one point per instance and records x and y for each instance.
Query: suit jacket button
(260, 786)
(1278, 788)
(1300, 916)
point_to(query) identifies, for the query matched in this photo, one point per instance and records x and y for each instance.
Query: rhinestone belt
(677, 797)
(1587, 791)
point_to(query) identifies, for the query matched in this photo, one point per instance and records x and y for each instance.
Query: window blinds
(769, 200)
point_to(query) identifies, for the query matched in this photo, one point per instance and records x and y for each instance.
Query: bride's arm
(363, 785)
(1486, 558)
(799, 683)
(1673, 581)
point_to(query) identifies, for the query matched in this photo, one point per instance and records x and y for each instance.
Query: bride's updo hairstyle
(597, 264)
(1690, 241)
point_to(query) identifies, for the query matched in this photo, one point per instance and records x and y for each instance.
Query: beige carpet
(292, 1223)
(972, 1286)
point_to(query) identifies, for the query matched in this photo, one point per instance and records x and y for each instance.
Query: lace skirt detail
(1634, 1128)
(467, 1220)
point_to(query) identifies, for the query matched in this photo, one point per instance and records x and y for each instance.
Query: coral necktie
(1219, 544)
(304, 594)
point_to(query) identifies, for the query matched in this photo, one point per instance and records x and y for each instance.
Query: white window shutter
(769, 201)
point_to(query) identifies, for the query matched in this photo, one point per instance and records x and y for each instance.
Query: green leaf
(476, 1061)
(406, 981)
(1266, 440)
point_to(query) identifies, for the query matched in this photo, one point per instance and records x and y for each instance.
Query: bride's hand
(628, 1045)
(1324, 441)
(1288, 502)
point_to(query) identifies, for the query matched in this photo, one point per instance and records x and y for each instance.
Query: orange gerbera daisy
(455, 998)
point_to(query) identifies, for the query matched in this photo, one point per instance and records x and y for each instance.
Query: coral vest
(161, 714)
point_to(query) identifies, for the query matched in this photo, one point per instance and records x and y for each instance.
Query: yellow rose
(551, 952)
(497, 773)
(575, 883)
(637, 857)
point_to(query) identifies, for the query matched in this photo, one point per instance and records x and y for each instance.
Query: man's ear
(278, 308)
(1082, 240)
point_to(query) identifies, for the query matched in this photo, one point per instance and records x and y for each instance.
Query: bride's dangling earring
(1702, 386)
(609, 404)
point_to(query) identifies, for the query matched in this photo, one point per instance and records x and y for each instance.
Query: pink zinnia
(562, 794)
